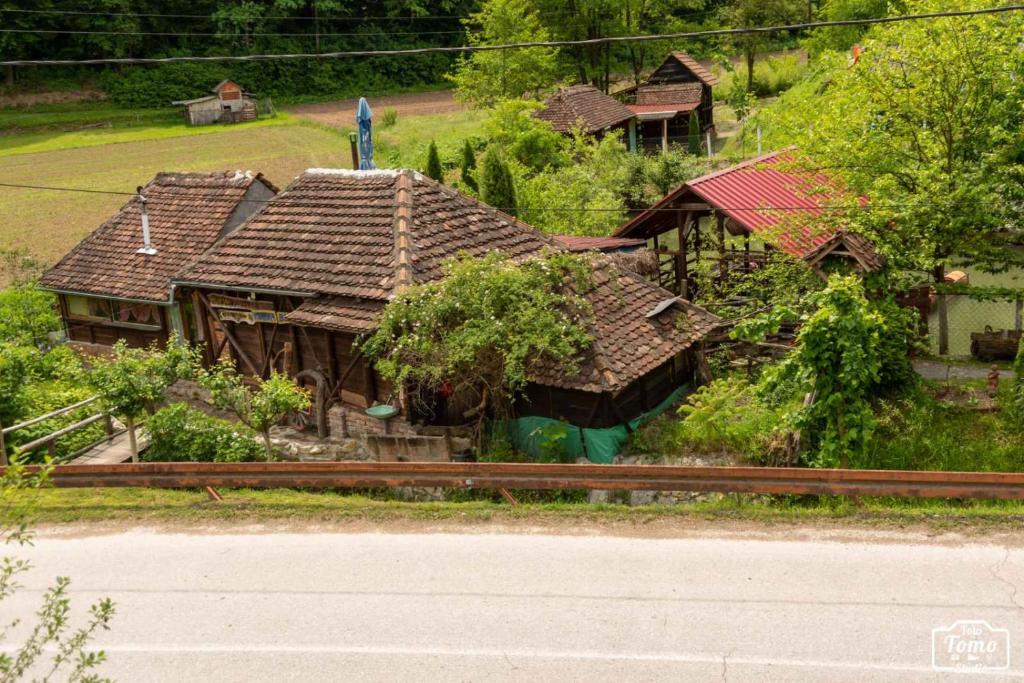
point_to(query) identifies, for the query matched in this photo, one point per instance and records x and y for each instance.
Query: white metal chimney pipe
(147, 245)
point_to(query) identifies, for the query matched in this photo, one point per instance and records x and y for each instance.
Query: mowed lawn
(48, 223)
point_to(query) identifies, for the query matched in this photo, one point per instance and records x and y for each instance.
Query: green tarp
(538, 437)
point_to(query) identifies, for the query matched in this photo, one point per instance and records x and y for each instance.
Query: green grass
(72, 115)
(49, 223)
(121, 157)
(35, 142)
(52, 506)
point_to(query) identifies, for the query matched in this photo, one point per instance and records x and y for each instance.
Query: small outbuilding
(584, 107)
(766, 204)
(228, 103)
(664, 102)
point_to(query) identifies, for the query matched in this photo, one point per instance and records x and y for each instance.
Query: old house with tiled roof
(116, 283)
(664, 102)
(769, 203)
(586, 108)
(296, 287)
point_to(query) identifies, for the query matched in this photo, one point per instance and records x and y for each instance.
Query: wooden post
(943, 313)
(682, 271)
(746, 252)
(664, 135)
(722, 266)
(355, 150)
(1018, 319)
(132, 443)
(3, 447)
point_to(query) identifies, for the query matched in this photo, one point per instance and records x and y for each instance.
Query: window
(88, 308)
(136, 315)
(121, 313)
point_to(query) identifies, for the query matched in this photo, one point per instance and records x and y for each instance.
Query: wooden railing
(50, 440)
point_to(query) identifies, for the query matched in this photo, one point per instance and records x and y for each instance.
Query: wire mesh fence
(983, 329)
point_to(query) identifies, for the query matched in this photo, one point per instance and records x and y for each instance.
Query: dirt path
(343, 112)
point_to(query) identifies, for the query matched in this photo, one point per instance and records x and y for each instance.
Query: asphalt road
(423, 607)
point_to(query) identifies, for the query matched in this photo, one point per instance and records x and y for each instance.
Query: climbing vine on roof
(478, 331)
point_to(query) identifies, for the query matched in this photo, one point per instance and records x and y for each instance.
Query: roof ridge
(402, 230)
(740, 166)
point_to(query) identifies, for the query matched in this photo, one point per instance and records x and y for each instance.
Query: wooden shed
(301, 282)
(227, 104)
(663, 103)
(114, 285)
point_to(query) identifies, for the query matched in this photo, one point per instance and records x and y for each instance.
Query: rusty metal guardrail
(337, 475)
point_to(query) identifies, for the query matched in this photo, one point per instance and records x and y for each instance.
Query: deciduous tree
(260, 406)
(484, 78)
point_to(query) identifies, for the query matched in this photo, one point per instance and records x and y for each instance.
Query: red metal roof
(781, 205)
(580, 243)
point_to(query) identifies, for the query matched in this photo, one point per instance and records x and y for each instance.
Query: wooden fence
(50, 440)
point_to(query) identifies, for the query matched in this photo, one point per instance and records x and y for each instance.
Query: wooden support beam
(682, 269)
(268, 355)
(235, 344)
(348, 370)
(332, 358)
(722, 265)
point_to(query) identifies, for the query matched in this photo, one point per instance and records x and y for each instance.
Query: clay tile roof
(669, 93)
(628, 344)
(187, 213)
(582, 243)
(705, 76)
(338, 313)
(583, 105)
(338, 236)
(763, 196)
(359, 234)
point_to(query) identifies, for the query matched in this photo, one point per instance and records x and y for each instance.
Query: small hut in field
(228, 103)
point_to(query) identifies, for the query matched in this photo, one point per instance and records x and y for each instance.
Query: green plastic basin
(382, 412)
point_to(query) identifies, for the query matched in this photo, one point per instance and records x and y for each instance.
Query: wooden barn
(740, 215)
(586, 108)
(299, 284)
(227, 104)
(116, 283)
(663, 103)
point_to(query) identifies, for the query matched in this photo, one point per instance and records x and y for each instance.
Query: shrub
(158, 86)
(468, 167)
(27, 314)
(727, 415)
(181, 433)
(434, 169)
(389, 117)
(771, 76)
(496, 184)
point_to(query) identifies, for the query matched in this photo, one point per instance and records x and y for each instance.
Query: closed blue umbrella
(364, 119)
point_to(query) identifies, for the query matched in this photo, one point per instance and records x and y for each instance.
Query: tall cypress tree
(434, 169)
(693, 141)
(469, 167)
(496, 187)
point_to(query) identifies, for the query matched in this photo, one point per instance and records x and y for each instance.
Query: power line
(210, 17)
(523, 45)
(225, 35)
(279, 200)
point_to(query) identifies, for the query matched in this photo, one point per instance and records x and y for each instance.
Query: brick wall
(360, 424)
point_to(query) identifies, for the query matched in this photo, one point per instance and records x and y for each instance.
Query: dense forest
(53, 29)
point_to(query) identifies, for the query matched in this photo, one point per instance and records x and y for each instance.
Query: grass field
(60, 506)
(122, 156)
